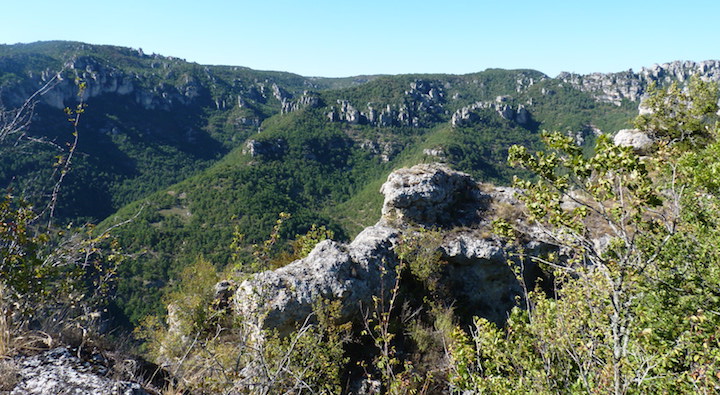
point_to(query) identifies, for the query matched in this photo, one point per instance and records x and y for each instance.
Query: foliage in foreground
(209, 350)
(635, 307)
(54, 280)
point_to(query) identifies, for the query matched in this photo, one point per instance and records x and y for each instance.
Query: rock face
(478, 272)
(608, 88)
(58, 371)
(385, 149)
(349, 273)
(153, 82)
(627, 85)
(438, 153)
(421, 103)
(479, 276)
(102, 78)
(468, 114)
(306, 100)
(269, 149)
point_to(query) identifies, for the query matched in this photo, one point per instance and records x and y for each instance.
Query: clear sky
(335, 38)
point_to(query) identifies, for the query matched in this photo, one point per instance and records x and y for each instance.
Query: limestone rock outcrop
(431, 194)
(385, 149)
(627, 85)
(478, 270)
(103, 78)
(350, 273)
(468, 115)
(479, 276)
(306, 100)
(421, 103)
(154, 82)
(608, 88)
(265, 148)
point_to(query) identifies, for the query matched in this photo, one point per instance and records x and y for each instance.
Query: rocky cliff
(628, 85)
(150, 120)
(428, 100)
(420, 104)
(468, 114)
(161, 84)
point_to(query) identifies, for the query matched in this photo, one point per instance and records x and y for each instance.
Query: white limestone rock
(634, 138)
(350, 273)
(431, 194)
(59, 371)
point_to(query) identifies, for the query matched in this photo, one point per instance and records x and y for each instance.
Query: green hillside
(151, 120)
(194, 152)
(321, 172)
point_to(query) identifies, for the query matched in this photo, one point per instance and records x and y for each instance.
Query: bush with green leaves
(209, 349)
(635, 307)
(21, 248)
(681, 115)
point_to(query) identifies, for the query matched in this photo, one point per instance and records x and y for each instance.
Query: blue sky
(343, 38)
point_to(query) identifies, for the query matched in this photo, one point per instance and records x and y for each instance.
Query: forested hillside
(266, 232)
(323, 162)
(194, 154)
(151, 121)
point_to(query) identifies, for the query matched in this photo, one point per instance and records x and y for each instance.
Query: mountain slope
(150, 120)
(203, 151)
(323, 160)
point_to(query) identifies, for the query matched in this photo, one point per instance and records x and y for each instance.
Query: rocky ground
(62, 371)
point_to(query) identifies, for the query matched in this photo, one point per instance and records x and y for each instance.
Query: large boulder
(431, 194)
(350, 273)
(638, 140)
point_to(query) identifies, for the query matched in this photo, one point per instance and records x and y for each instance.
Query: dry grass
(8, 370)
(4, 334)
(15, 338)
(486, 187)
(507, 211)
(9, 375)
(173, 390)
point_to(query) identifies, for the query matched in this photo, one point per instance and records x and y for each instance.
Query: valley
(220, 173)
